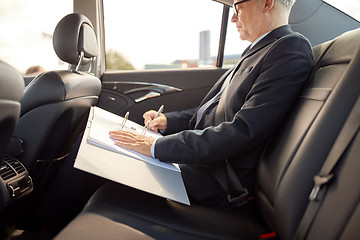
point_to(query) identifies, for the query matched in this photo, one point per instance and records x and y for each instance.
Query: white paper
(103, 121)
(148, 175)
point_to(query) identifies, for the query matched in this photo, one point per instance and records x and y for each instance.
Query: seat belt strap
(226, 175)
(229, 181)
(345, 137)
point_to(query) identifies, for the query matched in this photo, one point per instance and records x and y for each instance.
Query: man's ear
(268, 5)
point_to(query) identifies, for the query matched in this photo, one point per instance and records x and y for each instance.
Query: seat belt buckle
(240, 200)
(319, 181)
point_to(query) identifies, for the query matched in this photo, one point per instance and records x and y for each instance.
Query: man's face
(249, 19)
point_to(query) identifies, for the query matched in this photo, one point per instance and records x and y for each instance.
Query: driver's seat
(55, 106)
(11, 92)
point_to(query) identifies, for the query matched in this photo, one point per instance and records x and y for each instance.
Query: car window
(26, 39)
(162, 34)
(234, 46)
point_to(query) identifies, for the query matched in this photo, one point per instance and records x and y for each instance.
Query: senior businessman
(242, 110)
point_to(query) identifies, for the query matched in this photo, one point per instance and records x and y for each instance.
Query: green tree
(115, 61)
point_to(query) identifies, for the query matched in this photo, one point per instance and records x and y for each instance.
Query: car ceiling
(317, 20)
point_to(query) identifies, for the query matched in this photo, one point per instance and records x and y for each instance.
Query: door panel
(176, 89)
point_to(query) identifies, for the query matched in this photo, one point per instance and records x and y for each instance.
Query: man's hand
(137, 143)
(159, 123)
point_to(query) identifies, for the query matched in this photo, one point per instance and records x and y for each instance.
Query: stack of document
(99, 155)
(103, 121)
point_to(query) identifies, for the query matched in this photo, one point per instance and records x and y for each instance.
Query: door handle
(150, 94)
(136, 88)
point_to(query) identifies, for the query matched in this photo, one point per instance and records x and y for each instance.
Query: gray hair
(287, 3)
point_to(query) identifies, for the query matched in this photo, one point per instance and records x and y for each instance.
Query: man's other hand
(137, 143)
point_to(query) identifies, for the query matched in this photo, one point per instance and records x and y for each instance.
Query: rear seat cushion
(85, 227)
(165, 219)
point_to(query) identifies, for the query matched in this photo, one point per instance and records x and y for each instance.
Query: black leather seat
(56, 103)
(11, 92)
(15, 182)
(297, 153)
(284, 177)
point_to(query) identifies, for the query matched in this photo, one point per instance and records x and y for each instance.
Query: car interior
(307, 181)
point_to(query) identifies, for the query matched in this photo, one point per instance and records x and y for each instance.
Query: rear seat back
(295, 155)
(285, 172)
(339, 214)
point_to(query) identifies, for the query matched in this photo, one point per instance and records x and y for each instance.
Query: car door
(139, 91)
(161, 52)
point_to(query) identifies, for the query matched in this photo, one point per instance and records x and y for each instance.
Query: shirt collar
(258, 39)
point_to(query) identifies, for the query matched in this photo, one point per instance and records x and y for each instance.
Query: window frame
(222, 40)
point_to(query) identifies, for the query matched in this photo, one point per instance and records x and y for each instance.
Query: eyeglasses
(236, 11)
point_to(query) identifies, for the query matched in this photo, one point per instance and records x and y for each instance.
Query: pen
(161, 109)
(124, 120)
(147, 125)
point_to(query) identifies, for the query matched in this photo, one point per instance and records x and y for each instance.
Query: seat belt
(226, 175)
(345, 137)
(229, 181)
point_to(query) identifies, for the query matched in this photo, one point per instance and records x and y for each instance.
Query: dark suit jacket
(265, 85)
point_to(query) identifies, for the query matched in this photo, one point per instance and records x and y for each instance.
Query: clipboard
(125, 166)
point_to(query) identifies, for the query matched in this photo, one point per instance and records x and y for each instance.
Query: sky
(27, 29)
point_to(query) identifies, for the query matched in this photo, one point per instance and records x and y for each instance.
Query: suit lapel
(268, 39)
(271, 37)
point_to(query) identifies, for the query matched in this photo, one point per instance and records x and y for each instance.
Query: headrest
(11, 83)
(75, 34)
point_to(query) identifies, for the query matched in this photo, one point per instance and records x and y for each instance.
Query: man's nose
(234, 18)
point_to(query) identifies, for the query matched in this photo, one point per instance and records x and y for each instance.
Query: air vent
(6, 172)
(10, 168)
(14, 163)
